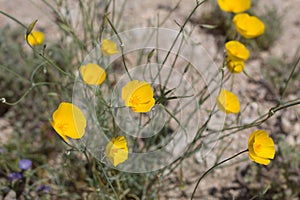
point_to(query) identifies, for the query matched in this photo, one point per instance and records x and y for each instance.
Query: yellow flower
(248, 26)
(138, 96)
(235, 66)
(236, 50)
(68, 121)
(235, 6)
(227, 102)
(109, 47)
(35, 38)
(261, 147)
(117, 150)
(92, 74)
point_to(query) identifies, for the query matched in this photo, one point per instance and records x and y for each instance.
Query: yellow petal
(260, 135)
(138, 96)
(68, 121)
(261, 147)
(36, 38)
(228, 102)
(237, 51)
(120, 142)
(109, 47)
(259, 160)
(59, 130)
(235, 66)
(248, 26)
(145, 107)
(235, 6)
(117, 150)
(92, 74)
(120, 157)
(251, 138)
(264, 145)
(266, 152)
(142, 94)
(129, 89)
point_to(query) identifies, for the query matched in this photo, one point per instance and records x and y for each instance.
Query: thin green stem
(48, 60)
(113, 189)
(256, 122)
(87, 158)
(174, 62)
(65, 24)
(113, 11)
(198, 4)
(3, 100)
(213, 167)
(14, 73)
(268, 115)
(14, 19)
(289, 78)
(40, 54)
(121, 12)
(35, 70)
(172, 116)
(189, 150)
(84, 20)
(170, 13)
(121, 46)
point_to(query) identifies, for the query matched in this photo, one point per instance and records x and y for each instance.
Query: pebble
(5, 130)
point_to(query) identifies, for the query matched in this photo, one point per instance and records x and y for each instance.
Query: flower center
(235, 53)
(257, 147)
(62, 127)
(134, 100)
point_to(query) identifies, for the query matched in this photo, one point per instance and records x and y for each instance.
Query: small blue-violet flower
(2, 150)
(25, 164)
(43, 188)
(14, 176)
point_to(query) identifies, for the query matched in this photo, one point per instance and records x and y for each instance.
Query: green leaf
(208, 26)
(150, 55)
(30, 27)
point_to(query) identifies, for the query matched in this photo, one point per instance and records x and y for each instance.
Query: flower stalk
(213, 167)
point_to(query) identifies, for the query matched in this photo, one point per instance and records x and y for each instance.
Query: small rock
(298, 140)
(11, 195)
(286, 125)
(5, 130)
(290, 140)
(296, 130)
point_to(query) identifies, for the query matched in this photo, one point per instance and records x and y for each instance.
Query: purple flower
(14, 176)
(43, 188)
(25, 164)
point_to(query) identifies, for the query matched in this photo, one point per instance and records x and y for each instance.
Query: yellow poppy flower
(235, 6)
(92, 74)
(138, 96)
(117, 150)
(109, 47)
(227, 102)
(236, 50)
(261, 147)
(248, 26)
(68, 121)
(35, 38)
(235, 66)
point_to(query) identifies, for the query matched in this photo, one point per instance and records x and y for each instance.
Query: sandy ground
(146, 14)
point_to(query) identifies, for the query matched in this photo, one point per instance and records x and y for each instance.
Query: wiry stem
(212, 168)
